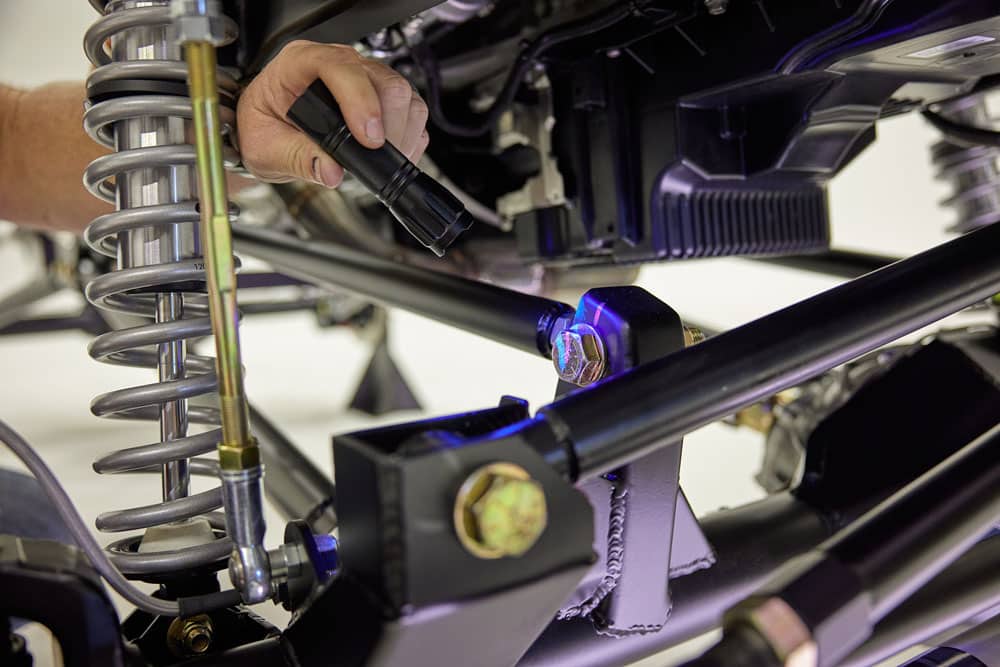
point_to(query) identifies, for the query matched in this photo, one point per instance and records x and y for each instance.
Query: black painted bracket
(646, 529)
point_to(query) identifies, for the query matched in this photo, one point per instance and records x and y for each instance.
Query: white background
(302, 377)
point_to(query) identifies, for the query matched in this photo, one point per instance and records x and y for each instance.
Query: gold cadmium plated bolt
(692, 335)
(500, 511)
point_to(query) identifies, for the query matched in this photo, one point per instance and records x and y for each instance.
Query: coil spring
(973, 172)
(147, 84)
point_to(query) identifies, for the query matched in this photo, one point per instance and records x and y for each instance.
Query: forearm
(43, 152)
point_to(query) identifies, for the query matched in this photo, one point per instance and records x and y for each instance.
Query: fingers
(422, 143)
(415, 133)
(395, 96)
(377, 103)
(344, 73)
(288, 154)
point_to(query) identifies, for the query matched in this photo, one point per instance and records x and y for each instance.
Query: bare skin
(44, 150)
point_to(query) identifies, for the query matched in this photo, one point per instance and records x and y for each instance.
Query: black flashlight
(427, 210)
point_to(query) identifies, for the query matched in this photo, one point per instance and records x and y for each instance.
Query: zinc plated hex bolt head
(500, 511)
(578, 355)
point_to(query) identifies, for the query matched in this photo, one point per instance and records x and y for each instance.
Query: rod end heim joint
(425, 208)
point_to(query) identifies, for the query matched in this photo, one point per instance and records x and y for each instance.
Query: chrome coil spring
(139, 109)
(972, 171)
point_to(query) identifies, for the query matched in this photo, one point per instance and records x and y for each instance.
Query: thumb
(283, 153)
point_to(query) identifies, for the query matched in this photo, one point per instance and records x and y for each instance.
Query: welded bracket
(646, 530)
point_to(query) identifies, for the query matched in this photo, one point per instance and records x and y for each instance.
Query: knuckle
(344, 52)
(397, 90)
(418, 109)
(296, 45)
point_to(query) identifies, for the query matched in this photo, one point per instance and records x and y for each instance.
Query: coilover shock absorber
(972, 171)
(139, 107)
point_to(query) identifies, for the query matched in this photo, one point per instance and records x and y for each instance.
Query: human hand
(378, 104)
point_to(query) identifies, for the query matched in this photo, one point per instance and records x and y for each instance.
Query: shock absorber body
(972, 171)
(138, 107)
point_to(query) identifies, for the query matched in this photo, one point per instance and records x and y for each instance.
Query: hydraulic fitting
(500, 511)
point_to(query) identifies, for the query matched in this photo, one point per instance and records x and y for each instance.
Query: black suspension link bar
(622, 418)
(519, 320)
(837, 263)
(869, 569)
(750, 543)
(298, 488)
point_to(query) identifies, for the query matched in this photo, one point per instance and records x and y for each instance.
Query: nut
(500, 511)
(780, 626)
(190, 636)
(195, 21)
(693, 335)
(578, 355)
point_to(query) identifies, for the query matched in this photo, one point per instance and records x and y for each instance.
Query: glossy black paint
(52, 583)
(669, 397)
(520, 320)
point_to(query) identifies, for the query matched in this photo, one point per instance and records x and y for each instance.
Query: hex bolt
(500, 511)
(190, 636)
(578, 355)
(693, 335)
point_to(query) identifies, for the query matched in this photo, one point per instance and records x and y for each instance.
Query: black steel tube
(906, 540)
(293, 483)
(867, 570)
(964, 591)
(520, 320)
(255, 280)
(981, 642)
(838, 263)
(749, 543)
(622, 418)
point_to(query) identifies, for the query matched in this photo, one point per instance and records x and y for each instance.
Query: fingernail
(374, 130)
(331, 174)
